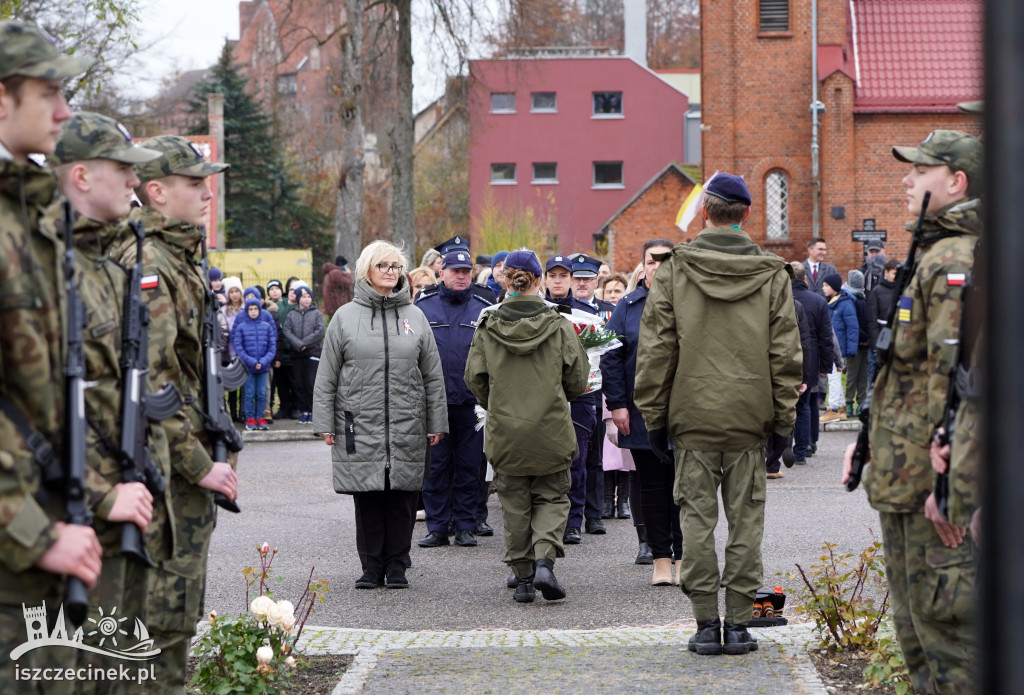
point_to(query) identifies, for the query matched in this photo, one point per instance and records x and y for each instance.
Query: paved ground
(456, 628)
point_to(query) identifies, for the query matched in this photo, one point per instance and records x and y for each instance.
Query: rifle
(884, 341)
(136, 464)
(216, 380)
(78, 512)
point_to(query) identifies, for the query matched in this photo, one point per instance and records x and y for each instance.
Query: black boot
(644, 555)
(622, 478)
(609, 495)
(544, 579)
(738, 640)
(524, 591)
(707, 640)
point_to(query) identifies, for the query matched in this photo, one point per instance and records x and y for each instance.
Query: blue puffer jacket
(254, 340)
(453, 317)
(618, 366)
(844, 322)
(265, 316)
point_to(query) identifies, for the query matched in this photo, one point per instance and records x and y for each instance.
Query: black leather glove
(658, 439)
(777, 444)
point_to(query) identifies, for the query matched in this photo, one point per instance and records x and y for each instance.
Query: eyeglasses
(389, 268)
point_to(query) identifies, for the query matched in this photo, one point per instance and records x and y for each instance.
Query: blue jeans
(255, 389)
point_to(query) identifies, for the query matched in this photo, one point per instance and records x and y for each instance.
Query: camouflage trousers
(534, 509)
(26, 675)
(115, 603)
(931, 588)
(741, 475)
(178, 586)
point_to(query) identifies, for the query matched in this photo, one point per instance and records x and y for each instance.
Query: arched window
(776, 201)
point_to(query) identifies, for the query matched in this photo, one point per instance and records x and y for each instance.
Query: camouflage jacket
(101, 286)
(176, 295)
(31, 375)
(910, 390)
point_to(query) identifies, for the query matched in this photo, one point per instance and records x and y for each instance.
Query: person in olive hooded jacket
(524, 366)
(718, 369)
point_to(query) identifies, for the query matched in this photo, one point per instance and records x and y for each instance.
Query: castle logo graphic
(107, 628)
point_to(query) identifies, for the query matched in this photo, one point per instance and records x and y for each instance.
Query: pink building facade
(573, 138)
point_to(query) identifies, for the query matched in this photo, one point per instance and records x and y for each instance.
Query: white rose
(286, 607)
(260, 606)
(264, 655)
(290, 662)
(287, 622)
(274, 614)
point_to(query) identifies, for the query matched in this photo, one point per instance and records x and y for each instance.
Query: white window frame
(608, 186)
(539, 181)
(593, 105)
(776, 206)
(503, 182)
(503, 110)
(543, 109)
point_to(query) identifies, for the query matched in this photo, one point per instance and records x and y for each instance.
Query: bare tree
(348, 240)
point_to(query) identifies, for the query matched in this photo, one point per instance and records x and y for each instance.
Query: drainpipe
(816, 106)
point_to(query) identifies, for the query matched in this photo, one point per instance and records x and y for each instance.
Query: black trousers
(594, 506)
(384, 521)
(660, 512)
(281, 382)
(304, 375)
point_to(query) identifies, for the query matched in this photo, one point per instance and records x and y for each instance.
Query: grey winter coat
(380, 390)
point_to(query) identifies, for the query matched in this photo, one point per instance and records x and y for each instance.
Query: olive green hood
(522, 325)
(727, 278)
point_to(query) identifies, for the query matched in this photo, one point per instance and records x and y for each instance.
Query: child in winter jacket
(304, 329)
(255, 342)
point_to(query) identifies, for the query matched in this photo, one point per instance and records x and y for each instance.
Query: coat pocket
(350, 433)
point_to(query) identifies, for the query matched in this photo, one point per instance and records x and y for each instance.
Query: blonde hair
(417, 273)
(374, 253)
(634, 279)
(430, 257)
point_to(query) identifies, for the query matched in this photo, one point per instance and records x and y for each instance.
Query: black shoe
(433, 540)
(525, 592)
(396, 580)
(609, 509)
(512, 580)
(595, 527)
(644, 556)
(572, 536)
(738, 640)
(544, 579)
(622, 510)
(707, 641)
(464, 538)
(482, 529)
(801, 462)
(369, 580)
(812, 450)
(787, 456)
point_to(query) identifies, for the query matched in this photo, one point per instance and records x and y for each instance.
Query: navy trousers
(583, 420)
(451, 488)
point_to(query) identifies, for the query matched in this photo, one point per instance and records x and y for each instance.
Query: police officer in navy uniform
(451, 488)
(458, 243)
(558, 281)
(584, 285)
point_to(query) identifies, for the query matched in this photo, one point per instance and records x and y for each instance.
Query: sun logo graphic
(108, 626)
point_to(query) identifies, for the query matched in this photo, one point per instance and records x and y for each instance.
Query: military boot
(544, 579)
(707, 641)
(524, 591)
(738, 640)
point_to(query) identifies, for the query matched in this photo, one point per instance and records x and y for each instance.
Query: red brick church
(888, 72)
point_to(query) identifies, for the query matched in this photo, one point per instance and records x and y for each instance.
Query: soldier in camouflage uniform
(94, 158)
(929, 564)
(36, 547)
(176, 197)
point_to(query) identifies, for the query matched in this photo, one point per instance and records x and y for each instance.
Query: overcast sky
(189, 34)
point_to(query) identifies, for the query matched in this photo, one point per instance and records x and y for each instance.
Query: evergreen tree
(261, 199)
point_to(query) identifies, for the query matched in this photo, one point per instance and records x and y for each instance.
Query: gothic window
(776, 202)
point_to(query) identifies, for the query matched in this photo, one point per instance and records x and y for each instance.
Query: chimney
(634, 13)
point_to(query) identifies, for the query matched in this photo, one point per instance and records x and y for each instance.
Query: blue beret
(730, 188)
(499, 257)
(557, 262)
(524, 260)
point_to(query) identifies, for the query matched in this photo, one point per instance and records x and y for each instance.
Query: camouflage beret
(26, 50)
(959, 151)
(179, 156)
(93, 136)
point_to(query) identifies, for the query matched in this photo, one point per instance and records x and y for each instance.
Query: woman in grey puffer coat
(379, 399)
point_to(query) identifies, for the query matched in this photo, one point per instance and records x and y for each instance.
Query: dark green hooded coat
(525, 365)
(719, 362)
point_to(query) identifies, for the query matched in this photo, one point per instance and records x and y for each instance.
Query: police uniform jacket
(910, 390)
(618, 366)
(453, 318)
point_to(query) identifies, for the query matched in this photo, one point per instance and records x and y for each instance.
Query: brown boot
(662, 572)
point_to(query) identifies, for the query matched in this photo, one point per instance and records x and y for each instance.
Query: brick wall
(651, 216)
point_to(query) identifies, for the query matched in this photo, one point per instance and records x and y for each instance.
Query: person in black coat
(818, 360)
(806, 346)
(880, 301)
